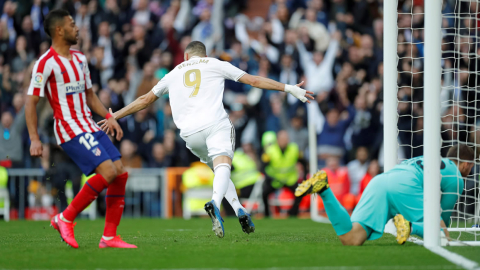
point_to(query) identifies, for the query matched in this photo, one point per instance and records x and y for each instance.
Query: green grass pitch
(177, 243)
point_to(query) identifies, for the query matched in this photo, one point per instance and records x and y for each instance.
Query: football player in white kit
(196, 90)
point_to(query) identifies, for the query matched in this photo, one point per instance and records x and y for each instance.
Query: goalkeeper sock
(115, 200)
(232, 198)
(220, 183)
(417, 228)
(336, 213)
(87, 195)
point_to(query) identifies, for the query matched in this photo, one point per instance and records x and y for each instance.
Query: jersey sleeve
(40, 74)
(161, 88)
(452, 187)
(230, 71)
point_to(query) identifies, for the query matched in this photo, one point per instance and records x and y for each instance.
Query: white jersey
(196, 89)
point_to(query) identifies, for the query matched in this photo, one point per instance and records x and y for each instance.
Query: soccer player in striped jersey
(62, 75)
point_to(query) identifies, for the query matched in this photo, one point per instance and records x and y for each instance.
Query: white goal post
(431, 123)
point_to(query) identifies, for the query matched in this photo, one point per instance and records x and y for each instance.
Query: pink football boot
(116, 242)
(65, 229)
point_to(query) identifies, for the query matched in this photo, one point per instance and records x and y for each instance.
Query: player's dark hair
(461, 153)
(52, 19)
(196, 48)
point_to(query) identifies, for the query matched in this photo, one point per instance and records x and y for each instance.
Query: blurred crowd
(334, 46)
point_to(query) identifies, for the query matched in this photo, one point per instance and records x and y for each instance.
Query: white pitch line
(386, 267)
(380, 267)
(454, 258)
(449, 255)
(440, 251)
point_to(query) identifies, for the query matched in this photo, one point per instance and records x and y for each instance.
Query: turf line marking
(454, 258)
(440, 251)
(379, 267)
(448, 255)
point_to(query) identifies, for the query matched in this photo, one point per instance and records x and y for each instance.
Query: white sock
(220, 182)
(64, 219)
(107, 237)
(232, 198)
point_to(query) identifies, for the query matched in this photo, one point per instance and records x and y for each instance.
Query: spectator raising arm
(306, 58)
(241, 33)
(331, 52)
(278, 32)
(270, 51)
(351, 115)
(318, 69)
(182, 20)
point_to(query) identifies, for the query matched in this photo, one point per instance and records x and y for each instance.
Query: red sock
(87, 195)
(115, 203)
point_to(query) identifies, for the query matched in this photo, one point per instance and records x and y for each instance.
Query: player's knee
(120, 169)
(110, 174)
(352, 240)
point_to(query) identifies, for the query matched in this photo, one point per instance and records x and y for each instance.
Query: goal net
(431, 71)
(457, 95)
(460, 104)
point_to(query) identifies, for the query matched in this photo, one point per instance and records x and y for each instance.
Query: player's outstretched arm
(96, 105)
(265, 83)
(137, 105)
(31, 118)
(444, 228)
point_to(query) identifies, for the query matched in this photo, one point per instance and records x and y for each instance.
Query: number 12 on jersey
(195, 83)
(88, 140)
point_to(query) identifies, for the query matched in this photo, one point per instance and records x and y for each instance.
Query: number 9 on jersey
(194, 82)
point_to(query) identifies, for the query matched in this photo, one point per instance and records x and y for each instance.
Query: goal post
(431, 123)
(390, 60)
(313, 164)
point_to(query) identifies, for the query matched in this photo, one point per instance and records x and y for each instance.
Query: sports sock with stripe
(115, 200)
(220, 182)
(87, 195)
(232, 198)
(417, 228)
(336, 213)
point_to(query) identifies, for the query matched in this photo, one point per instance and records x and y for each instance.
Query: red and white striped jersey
(66, 82)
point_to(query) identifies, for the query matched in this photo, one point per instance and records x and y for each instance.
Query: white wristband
(296, 92)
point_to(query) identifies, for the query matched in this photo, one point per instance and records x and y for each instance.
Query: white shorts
(214, 141)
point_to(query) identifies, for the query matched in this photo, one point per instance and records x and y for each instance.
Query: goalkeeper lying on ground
(396, 194)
